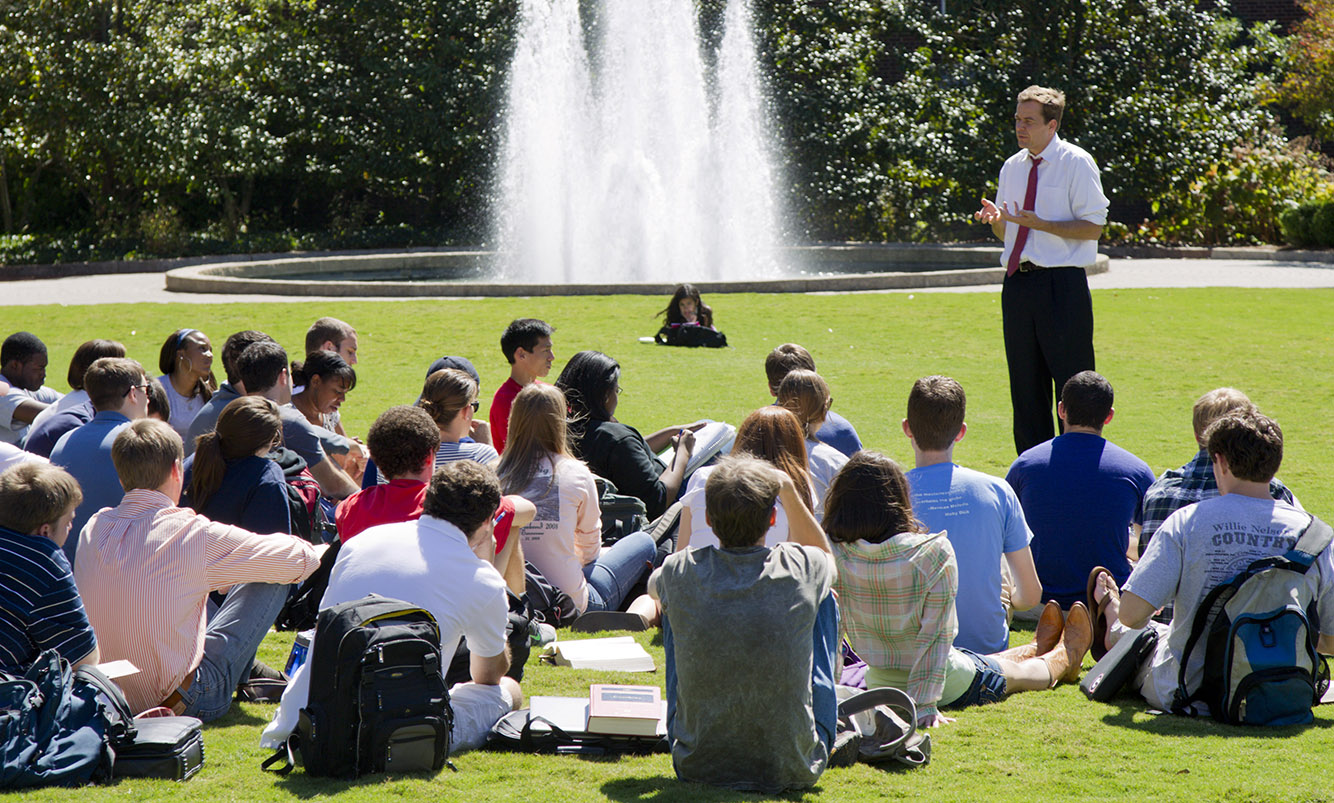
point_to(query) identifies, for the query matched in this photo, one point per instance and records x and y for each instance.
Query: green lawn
(1160, 349)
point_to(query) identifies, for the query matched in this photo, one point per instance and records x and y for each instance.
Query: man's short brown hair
(327, 330)
(783, 360)
(144, 453)
(1252, 444)
(464, 493)
(1052, 101)
(108, 379)
(1214, 405)
(739, 499)
(401, 440)
(936, 406)
(33, 494)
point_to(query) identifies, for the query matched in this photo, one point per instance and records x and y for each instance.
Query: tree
(1309, 85)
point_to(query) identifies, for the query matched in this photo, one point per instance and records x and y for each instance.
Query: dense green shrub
(1296, 223)
(1322, 225)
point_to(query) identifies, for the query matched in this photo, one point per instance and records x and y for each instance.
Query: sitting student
(332, 379)
(146, 567)
(564, 540)
(23, 361)
(526, 344)
(322, 383)
(896, 587)
(74, 409)
(450, 398)
(612, 450)
(1081, 494)
(159, 406)
(233, 388)
(40, 607)
(751, 637)
(807, 396)
(431, 562)
(186, 363)
(980, 514)
(837, 431)
(229, 479)
(331, 334)
(773, 435)
(688, 321)
(1180, 487)
(403, 442)
(118, 389)
(1208, 543)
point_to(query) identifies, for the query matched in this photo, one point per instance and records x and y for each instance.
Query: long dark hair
(868, 501)
(588, 379)
(672, 314)
(245, 426)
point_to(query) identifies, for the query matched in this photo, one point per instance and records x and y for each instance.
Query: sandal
(1099, 611)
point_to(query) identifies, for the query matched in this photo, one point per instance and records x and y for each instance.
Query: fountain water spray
(635, 163)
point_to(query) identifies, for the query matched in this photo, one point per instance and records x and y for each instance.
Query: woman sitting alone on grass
(807, 396)
(326, 379)
(186, 363)
(896, 586)
(229, 479)
(564, 540)
(773, 435)
(591, 383)
(687, 308)
(450, 398)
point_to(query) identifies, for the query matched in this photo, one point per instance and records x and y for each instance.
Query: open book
(711, 440)
(618, 653)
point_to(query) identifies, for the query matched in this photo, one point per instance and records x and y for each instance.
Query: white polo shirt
(1069, 188)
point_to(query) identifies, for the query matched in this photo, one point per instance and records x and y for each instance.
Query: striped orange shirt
(145, 570)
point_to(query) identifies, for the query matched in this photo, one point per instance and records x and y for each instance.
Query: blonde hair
(144, 453)
(1214, 405)
(537, 431)
(34, 494)
(806, 395)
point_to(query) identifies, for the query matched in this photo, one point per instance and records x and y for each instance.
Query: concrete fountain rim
(269, 276)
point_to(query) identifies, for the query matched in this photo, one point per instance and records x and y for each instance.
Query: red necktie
(1030, 199)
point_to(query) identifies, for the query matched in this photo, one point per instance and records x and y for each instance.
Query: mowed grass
(1160, 348)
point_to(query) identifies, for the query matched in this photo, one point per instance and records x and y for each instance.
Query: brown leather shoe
(1076, 639)
(1050, 626)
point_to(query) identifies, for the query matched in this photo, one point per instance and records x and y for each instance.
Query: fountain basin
(468, 273)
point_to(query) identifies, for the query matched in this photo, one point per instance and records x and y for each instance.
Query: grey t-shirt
(1203, 545)
(301, 436)
(742, 624)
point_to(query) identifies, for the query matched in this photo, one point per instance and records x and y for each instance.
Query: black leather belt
(1028, 267)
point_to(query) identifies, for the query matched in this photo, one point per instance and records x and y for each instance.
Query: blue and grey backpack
(1260, 631)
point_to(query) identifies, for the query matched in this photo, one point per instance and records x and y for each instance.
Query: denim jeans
(617, 569)
(234, 632)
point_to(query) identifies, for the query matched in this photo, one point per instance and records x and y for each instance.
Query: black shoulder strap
(1182, 699)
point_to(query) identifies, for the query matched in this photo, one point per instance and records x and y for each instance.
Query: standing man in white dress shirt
(1049, 210)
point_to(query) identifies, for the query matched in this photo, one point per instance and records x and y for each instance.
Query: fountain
(631, 163)
(634, 162)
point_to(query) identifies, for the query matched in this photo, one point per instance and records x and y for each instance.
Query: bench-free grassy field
(1160, 349)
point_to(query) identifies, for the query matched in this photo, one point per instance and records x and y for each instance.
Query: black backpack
(378, 700)
(690, 335)
(303, 606)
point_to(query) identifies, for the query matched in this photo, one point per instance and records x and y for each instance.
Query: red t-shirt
(502, 528)
(500, 411)
(398, 500)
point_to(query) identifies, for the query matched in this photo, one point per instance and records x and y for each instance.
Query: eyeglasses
(475, 405)
(143, 387)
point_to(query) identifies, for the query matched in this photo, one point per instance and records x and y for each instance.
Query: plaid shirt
(1178, 488)
(897, 600)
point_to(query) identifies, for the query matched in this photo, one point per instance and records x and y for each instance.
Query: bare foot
(1107, 590)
